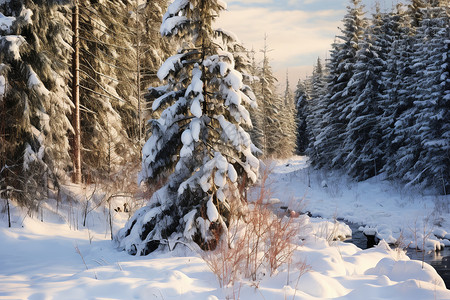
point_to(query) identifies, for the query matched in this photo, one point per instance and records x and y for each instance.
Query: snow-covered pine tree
(415, 11)
(432, 99)
(301, 98)
(245, 64)
(120, 52)
(338, 99)
(34, 53)
(148, 52)
(270, 104)
(316, 110)
(287, 111)
(363, 134)
(406, 141)
(396, 79)
(257, 131)
(198, 138)
(394, 30)
(102, 42)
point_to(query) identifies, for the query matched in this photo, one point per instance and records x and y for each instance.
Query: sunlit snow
(60, 259)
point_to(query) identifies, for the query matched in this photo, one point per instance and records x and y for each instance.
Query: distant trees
(275, 126)
(385, 107)
(270, 104)
(287, 138)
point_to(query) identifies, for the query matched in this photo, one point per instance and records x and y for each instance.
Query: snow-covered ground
(394, 212)
(55, 260)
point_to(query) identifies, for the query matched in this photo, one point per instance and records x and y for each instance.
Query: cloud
(298, 30)
(297, 37)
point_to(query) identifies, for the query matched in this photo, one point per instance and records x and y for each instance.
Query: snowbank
(53, 260)
(404, 216)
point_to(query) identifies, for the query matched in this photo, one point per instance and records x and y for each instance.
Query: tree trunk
(76, 146)
(9, 213)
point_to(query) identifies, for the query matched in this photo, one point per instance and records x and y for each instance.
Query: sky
(298, 31)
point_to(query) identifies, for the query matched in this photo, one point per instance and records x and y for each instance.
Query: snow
(234, 79)
(14, 42)
(6, 23)
(176, 6)
(396, 270)
(2, 86)
(211, 211)
(26, 15)
(195, 127)
(232, 174)
(196, 85)
(186, 150)
(389, 211)
(169, 65)
(189, 230)
(196, 109)
(35, 83)
(60, 259)
(157, 103)
(186, 137)
(169, 24)
(229, 34)
(29, 156)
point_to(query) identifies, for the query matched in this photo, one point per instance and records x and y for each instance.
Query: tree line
(381, 103)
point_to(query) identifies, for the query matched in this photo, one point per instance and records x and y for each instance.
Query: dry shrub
(281, 237)
(255, 245)
(226, 261)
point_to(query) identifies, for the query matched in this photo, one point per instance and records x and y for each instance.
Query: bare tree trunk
(3, 185)
(138, 72)
(9, 213)
(264, 96)
(3, 130)
(76, 147)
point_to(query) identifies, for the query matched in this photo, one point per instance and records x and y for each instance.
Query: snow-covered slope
(391, 210)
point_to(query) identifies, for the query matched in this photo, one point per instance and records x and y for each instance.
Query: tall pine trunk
(76, 146)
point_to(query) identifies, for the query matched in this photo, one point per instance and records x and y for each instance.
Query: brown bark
(76, 145)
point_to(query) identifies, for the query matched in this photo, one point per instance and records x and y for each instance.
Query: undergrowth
(257, 245)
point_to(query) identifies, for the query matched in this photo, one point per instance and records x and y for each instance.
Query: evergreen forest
(99, 91)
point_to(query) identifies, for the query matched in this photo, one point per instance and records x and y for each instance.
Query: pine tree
(286, 140)
(361, 145)
(415, 11)
(246, 65)
(198, 138)
(149, 50)
(119, 56)
(406, 142)
(35, 103)
(432, 120)
(341, 68)
(316, 111)
(301, 98)
(394, 31)
(270, 103)
(257, 131)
